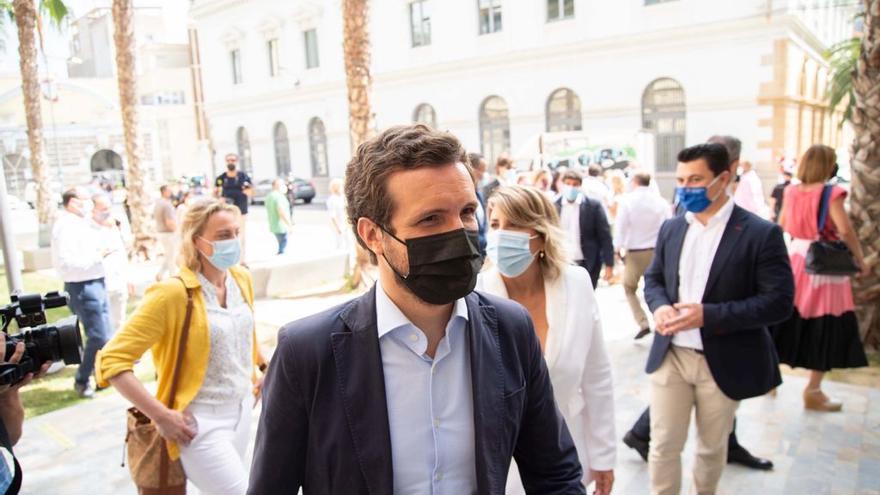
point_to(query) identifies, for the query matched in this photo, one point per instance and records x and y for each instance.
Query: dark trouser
(88, 300)
(594, 272)
(282, 242)
(642, 429)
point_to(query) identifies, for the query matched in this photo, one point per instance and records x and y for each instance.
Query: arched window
(494, 128)
(425, 114)
(563, 111)
(663, 113)
(282, 149)
(318, 147)
(104, 160)
(243, 143)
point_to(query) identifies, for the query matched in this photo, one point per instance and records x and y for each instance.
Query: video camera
(43, 342)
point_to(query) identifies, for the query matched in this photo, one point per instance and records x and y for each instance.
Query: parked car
(297, 189)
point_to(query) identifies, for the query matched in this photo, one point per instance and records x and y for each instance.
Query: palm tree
(356, 49)
(865, 208)
(26, 15)
(136, 195)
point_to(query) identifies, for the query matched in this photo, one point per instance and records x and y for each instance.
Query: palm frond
(55, 9)
(842, 58)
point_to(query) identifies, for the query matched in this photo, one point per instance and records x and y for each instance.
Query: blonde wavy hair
(194, 220)
(528, 207)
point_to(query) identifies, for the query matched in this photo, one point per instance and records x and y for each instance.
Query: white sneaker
(56, 367)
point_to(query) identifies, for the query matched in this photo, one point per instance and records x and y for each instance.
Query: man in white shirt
(639, 217)
(595, 188)
(78, 259)
(750, 191)
(720, 277)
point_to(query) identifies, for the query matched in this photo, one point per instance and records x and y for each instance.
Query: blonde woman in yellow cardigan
(208, 425)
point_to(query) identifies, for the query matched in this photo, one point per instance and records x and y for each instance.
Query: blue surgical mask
(571, 193)
(226, 253)
(695, 199)
(509, 251)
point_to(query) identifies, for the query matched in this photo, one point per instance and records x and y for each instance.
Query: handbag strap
(164, 462)
(184, 336)
(823, 208)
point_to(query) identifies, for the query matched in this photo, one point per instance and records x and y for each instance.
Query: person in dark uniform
(235, 187)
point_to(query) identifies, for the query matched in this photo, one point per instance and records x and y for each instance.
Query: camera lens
(69, 340)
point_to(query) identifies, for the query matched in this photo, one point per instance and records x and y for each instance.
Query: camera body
(43, 342)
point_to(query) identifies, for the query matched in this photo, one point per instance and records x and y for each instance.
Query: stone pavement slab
(78, 450)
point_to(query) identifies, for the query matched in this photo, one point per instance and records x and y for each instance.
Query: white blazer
(579, 367)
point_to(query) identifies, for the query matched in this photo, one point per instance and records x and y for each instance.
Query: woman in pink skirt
(822, 333)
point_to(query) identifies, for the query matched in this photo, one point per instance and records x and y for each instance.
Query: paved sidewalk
(78, 450)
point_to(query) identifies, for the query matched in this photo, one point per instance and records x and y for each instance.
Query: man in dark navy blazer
(420, 385)
(586, 224)
(720, 276)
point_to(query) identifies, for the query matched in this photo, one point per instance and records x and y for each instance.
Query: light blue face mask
(571, 193)
(509, 251)
(226, 253)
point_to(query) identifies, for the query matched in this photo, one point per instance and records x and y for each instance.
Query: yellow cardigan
(157, 324)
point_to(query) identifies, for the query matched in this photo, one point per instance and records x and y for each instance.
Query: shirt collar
(389, 317)
(721, 216)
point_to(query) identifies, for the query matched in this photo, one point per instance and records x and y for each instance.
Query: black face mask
(442, 267)
(230, 166)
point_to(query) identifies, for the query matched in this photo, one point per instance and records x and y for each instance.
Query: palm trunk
(865, 207)
(356, 49)
(138, 201)
(25, 20)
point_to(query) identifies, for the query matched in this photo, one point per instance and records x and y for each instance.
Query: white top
(75, 249)
(336, 209)
(570, 220)
(595, 188)
(579, 368)
(230, 360)
(749, 194)
(116, 262)
(697, 253)
(430, 403)
(639, 217)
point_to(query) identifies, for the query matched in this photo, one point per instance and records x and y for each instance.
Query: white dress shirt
(116, 262)
(749, 194)
(430, 403)
(570, 219)
(639, 217)
(75, 249)
(697, 254)
(579, 368)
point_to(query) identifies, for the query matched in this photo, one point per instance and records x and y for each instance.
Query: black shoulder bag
(825, 256)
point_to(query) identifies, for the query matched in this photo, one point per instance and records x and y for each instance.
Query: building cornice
(204, 8)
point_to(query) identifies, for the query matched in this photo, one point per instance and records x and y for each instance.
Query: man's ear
(371, 234)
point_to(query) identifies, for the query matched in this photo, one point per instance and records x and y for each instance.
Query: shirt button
(413, 337)
(436, 423)
(438, 476)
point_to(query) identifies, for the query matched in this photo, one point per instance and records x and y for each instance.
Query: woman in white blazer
(526, 247)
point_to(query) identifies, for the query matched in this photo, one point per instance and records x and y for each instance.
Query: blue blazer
(324, 424)
(595, 235)
(750, 287)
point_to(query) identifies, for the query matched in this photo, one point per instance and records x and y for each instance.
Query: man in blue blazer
(720, 276)
(586, 224)
(420, 385)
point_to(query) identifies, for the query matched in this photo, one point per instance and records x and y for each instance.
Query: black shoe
(84, 390)
(642, 333)
(739, 455)
(637, 444)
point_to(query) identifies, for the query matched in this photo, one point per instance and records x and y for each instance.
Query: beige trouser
(684, 382)
(169, 249)
(635, 264)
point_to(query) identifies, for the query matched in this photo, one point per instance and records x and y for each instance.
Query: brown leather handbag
(152, 470)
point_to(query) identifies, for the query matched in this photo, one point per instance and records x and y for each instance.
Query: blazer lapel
(675, 243)
(488, 393)
(729, 240)
(362, 385)
(556, 309)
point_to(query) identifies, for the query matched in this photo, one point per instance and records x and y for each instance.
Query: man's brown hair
(573, 175)
(406, 147)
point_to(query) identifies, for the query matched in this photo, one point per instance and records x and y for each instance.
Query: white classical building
(498, 72)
